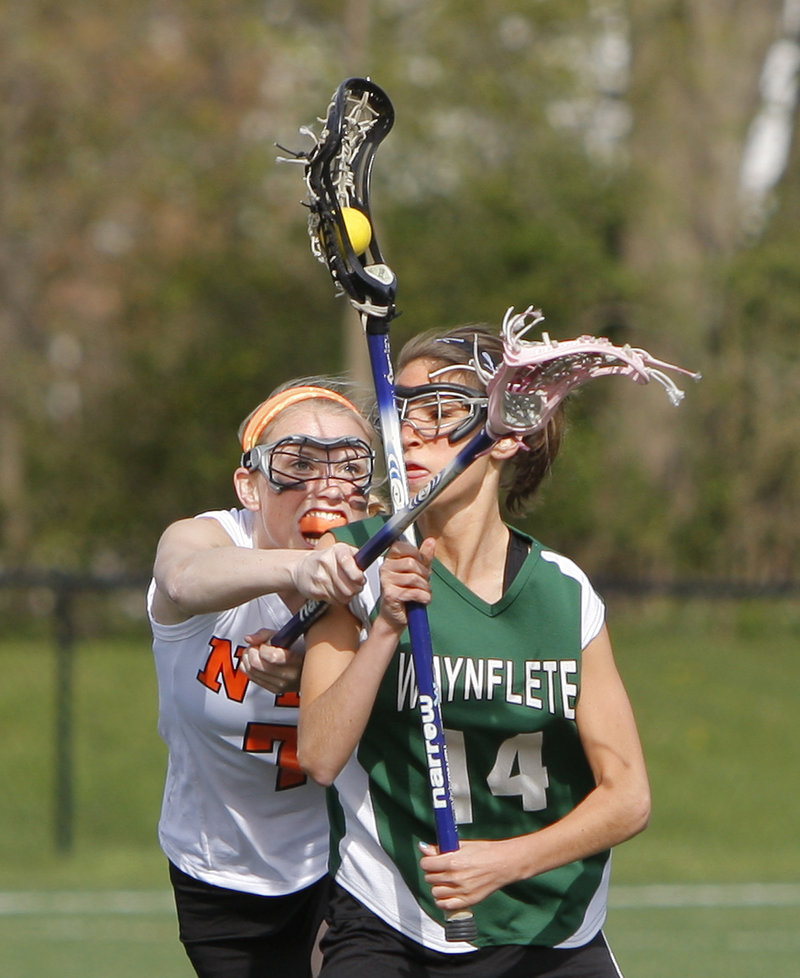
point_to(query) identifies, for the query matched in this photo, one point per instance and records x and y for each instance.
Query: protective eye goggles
(433, 410)
(291, 462)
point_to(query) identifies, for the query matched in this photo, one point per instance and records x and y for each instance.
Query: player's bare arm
(198, 570)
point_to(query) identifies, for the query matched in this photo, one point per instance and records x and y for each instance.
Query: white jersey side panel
(369, 874)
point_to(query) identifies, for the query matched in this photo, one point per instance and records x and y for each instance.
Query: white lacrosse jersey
(237, 810)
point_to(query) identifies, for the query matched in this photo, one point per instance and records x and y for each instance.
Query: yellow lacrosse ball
(359, 230)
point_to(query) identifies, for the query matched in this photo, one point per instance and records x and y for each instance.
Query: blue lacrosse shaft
(386, 535)
(418, 625)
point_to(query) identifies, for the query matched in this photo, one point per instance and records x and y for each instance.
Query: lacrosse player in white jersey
(244, 829)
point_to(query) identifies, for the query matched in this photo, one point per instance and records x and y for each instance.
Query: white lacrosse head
(535, 376)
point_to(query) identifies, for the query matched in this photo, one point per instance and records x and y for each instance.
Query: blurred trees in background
(627, 166)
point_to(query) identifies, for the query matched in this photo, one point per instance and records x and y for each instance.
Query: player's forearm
(478, 868)
(220, 578)
(609, 815)
(333, 720)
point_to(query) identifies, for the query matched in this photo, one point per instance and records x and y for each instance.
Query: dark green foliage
(156, 280)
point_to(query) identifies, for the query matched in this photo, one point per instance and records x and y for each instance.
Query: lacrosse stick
(338, 170)
(523, 391)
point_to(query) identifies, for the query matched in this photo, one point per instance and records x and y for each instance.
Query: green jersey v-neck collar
(510, 595)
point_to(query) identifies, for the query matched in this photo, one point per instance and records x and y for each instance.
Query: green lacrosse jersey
(508, 679)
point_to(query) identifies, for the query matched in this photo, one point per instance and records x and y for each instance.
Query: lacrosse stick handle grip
(460, 925)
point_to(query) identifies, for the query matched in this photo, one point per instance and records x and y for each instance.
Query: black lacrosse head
(338, 174)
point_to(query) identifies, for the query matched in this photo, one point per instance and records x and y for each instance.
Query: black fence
(58, 595)
(60, 608)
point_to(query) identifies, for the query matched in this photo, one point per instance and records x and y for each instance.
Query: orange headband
(266, 413)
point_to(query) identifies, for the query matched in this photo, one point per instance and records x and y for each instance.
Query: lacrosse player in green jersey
(546, 767)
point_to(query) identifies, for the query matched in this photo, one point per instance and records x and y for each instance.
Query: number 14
(518, 771)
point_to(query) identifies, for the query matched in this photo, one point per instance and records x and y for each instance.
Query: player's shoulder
(550, 560)
(563, 565)
(237, 524)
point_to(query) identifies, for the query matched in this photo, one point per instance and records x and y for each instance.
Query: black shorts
(231, 934)
(358, 944)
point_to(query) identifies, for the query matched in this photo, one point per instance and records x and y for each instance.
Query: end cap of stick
(460, 926)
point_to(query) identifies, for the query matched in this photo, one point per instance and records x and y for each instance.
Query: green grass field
(715, 688)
